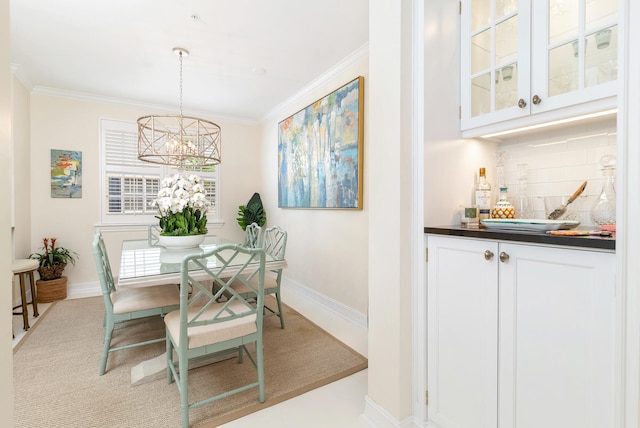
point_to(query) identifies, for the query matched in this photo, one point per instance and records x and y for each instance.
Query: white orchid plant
(182, 206)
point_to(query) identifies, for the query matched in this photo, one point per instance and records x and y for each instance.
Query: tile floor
(339, 404)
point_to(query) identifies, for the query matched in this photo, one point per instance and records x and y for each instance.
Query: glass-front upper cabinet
(525, 62)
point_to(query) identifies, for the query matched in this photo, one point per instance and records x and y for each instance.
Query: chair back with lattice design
(105, 275)
(252, 236)
(206, 296)
(275, 242)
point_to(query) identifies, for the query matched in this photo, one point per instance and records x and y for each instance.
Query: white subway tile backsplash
(559, 161)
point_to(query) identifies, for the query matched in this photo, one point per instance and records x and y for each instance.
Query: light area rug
(56, 381)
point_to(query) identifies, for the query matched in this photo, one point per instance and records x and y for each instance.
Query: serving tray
(536, 225)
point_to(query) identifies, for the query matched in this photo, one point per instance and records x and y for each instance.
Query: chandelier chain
(179, 141)
(180, 83)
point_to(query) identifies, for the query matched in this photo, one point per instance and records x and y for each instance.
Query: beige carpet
(56, 378)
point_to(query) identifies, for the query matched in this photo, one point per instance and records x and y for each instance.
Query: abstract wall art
(66, 174)
(320, 152)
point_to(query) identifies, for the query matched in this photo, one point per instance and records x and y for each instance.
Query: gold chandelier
(180, 141)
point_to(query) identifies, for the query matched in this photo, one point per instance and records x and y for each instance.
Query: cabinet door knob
(504, 257)
(488, 255)
(536, 100)
(522, 103)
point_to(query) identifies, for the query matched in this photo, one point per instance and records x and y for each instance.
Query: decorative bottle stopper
(603, 210)
(503, 208)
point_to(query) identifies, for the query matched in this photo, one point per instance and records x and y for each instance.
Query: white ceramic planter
(180, 242)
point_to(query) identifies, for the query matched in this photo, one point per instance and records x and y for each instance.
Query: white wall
(6, 356)
(451, 163)
(391, 187)
(21, 170)
(73, 124)
(327, 249)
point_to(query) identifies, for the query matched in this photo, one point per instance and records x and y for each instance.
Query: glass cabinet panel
(493, 55)
(564, 18)
(481, 95)
(480, 14)
(505, 7)
(582, 49)
(507, 40)
(563, 68)
(600, 12)
(601, 59)
(506, 86)
(480, 51)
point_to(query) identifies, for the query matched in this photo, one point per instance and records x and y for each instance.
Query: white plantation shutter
(129, 185)
(210, 189)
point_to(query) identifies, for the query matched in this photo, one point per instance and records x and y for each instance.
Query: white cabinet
(462, 332)
(519, 336)
(525, 62)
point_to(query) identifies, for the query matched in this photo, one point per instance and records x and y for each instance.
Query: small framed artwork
(320, 152)
(66, 174)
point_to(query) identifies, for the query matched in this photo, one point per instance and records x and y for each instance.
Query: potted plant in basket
(52, 261)
(182, 208)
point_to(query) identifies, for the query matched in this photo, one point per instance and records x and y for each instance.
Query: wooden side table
(24, 268)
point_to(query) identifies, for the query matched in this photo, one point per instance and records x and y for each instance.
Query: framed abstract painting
(66, 174)
(320, 152)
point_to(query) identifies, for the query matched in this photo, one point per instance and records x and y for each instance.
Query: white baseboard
(346, 324)
(85, 289)
(376, 416)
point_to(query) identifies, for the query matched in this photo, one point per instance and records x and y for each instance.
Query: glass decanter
(603, 210)
(522, 202)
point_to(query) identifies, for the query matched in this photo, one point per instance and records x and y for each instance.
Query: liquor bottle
(483, 196)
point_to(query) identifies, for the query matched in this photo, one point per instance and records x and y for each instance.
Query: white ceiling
(246, 56)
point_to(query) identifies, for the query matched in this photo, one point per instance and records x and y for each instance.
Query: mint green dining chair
(216, 320)
(252, 236)
(153, 234)
(126, 307)
(275, 245)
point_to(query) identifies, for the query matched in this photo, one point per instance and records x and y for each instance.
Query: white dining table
(144, 262)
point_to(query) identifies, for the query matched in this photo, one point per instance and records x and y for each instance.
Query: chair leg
(183, 364)
(259, 363)
(280, 314)
(169, 359)
(25, 307)
(34, 300)
(108, 333)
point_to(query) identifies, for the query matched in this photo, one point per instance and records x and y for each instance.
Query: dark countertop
(593, 242)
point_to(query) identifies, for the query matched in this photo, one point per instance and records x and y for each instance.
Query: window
(130, 185)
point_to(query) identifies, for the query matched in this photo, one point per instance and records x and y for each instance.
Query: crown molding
(330, 74)
(18, 73)
(83, 96)
(333, 72)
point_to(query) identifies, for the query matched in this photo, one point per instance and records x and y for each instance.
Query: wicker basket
(53, 289)
(51, 272)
